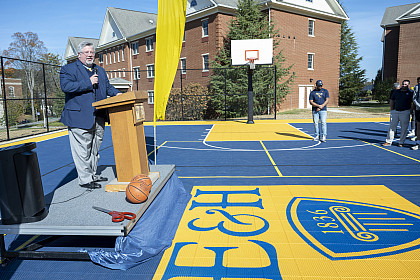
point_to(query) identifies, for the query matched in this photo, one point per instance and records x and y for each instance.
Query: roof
(73, 42)
(392, 13)
(132, 22)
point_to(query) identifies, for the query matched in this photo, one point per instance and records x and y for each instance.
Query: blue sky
(55, 20)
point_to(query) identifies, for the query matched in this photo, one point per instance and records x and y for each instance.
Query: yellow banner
(169, 36)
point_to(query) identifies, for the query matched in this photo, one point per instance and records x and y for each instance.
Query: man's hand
(94, 79)
(119, 93)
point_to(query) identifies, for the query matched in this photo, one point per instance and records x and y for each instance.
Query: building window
(136, 74)
(123, 72)
(206, 62)
(101, 58)
(309, 1)
(110, 74)
(205, 27)
(119, 73)
(113, 34)
(149, 44)
(11, 91)
(110, 57)
(150, 70)
(310, 61)
(151, 99)
(183, 65)
(122, 53)
(118, 54)
(193, 3)
(183, 39)
(311, 31)
(113, 52)
(135, 47)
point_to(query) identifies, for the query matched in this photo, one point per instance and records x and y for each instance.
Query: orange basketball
(137, 192)
(144, 179)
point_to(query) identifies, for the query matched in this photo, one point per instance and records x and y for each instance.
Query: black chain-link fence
(32, 101)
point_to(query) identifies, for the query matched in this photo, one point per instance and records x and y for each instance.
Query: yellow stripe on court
(40, 138)
(259, 131)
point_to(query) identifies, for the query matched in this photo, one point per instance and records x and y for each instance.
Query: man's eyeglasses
(87, 53)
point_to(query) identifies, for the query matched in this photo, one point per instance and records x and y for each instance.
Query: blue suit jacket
(75, 83)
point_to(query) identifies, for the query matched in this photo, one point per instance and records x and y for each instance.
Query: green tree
(249, 23)
(352, 77)
(14, 112)
(26, 47)
(382, 89)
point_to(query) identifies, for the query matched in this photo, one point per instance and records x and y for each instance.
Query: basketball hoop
(251, 63)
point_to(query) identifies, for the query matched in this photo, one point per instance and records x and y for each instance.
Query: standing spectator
(416, 100)
(83, 82)
(400, 104)
(319, 99)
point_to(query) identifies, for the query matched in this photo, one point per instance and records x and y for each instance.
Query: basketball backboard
(259, 50)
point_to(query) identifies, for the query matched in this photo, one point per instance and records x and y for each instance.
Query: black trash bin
(21, 193)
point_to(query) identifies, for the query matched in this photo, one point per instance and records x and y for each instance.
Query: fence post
(4, 98)
(45, 99)
(275, 92)
(182, 99)
(225, 91)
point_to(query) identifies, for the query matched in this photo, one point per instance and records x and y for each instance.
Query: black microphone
(95, 72)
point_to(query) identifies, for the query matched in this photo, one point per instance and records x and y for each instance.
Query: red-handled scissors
(117, 216)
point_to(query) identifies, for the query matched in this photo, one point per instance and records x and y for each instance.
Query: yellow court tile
(255, 132)
(314, 232)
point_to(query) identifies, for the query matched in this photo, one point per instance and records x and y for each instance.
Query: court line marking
(390, 151)
(271, 159)
(297, 176)
(156, 148)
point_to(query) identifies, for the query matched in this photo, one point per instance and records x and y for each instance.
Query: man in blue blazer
(84, 83)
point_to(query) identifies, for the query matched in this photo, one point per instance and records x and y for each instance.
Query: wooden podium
(126, 113)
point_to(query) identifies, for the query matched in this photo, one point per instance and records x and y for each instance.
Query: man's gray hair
(84, 44)
(396, 85)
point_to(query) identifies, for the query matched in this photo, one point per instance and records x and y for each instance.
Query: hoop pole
(250, 97)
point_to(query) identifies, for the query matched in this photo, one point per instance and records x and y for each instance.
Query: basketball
(144, 179)
(137, 191)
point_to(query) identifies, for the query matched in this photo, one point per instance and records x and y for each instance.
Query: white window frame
(101, 57)
(12, 91)
(110, 74)
(149, 44)
(135, 47)
(312, 62)
(136, 73)
(183, 67)
(183, 39)
(151, 97)
(106, 57)
(150, 70)
(110, 57)
(208, 63)
(123, 71)
(313, 27)
(122, 53)
(119, 73)
(204, 30)
(118, 53)
(113, 53)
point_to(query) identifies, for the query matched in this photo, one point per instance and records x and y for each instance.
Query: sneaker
(414, 138)
(386, 144)
(316, 138)
(415, 147)
(323, 138)
(411, 134)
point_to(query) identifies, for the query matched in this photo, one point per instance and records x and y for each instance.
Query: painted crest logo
(342, 229)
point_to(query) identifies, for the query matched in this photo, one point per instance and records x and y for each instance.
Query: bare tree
(26, 47)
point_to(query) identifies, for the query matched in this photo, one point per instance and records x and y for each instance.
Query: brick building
(401, 41)
(309, 37)
(13, 90)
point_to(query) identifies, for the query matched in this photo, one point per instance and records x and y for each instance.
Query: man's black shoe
(91, 185)
(100, 179)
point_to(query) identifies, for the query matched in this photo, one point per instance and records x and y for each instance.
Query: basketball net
(251, 63)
